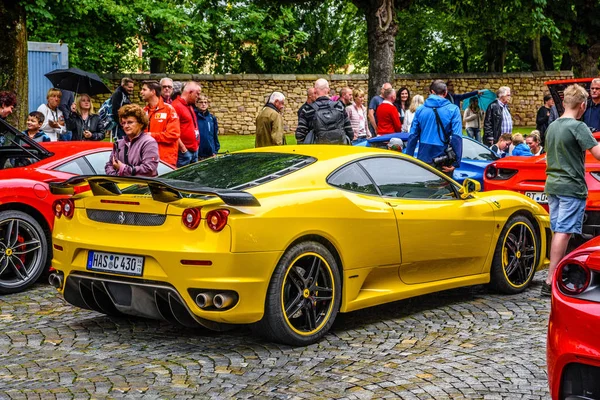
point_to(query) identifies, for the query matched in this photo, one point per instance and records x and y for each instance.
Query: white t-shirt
(52, 115)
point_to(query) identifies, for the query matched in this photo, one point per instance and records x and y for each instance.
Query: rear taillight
(57, 208)
(493, 172)
(64, 207)
(191, 217)
(573, 278)
(217, 219)
(68, 208)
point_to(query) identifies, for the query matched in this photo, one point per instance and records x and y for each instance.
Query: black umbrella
(77, 81)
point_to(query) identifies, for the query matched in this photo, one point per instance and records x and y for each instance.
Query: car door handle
(391, 204)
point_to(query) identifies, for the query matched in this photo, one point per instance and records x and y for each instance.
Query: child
(501, 147)
(35, 120)
(520, 149)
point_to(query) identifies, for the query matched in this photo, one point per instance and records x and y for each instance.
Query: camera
(446, 159)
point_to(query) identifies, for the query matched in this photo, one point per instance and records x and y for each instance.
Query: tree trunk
(157, 65)
(547, 56)
(381, 38)
(465, 56)
(565, 62)
(536, 54)
(585, 60)
(495, 54)
(13, 59)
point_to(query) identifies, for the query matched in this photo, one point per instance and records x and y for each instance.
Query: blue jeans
(474, 133)
(189, 157)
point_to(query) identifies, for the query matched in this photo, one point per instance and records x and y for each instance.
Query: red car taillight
(191, 217)
(573, 278)
(493, 172)
(64, 207)
(217, 219)
(57, 208)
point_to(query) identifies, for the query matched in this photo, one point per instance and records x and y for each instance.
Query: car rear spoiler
(164, 190)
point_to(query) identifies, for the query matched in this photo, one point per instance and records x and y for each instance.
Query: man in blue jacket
(439, 137)
(209, 129)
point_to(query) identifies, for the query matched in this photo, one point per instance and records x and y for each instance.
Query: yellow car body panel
(388, 248)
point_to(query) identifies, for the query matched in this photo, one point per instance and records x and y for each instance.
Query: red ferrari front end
(573, 346)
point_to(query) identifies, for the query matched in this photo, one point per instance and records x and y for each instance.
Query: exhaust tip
(225, 300)
(56, 280)
(205, 300)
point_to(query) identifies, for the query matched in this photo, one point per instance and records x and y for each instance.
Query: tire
(305, 267)
(23, 251)
(515, 257)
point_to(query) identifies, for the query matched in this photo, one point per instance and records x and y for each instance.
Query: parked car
(475, 158)
(26, 216)
(573, 345)
(272, 237)
(527, 175)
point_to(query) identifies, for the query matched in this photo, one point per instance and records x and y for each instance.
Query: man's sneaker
(546, 290)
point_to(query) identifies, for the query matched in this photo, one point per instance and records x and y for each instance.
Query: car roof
(322, 152)
(64, 149)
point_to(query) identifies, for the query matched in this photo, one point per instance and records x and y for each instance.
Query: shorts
(566, 213)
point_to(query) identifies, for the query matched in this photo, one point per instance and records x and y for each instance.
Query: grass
(241, 142)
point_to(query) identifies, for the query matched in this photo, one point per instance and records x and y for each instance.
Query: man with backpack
(325, 121)
(109, 111)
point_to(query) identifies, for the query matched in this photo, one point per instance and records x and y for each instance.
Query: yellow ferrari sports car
(285, 238)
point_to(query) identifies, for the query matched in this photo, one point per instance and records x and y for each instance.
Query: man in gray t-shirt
(567, 140)
(373, 104)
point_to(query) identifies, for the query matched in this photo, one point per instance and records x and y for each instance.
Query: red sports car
(573, 346)
(26, 216)
(527, 175)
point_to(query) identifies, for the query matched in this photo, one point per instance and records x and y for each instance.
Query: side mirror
(469, 186)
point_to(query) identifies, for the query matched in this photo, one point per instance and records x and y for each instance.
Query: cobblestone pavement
(465, 343)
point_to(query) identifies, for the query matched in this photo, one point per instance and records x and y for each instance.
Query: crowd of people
(175, 126)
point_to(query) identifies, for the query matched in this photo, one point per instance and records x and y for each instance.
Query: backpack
(107, 122)
(328, 124)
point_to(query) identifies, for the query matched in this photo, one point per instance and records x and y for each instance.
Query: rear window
(240, 170)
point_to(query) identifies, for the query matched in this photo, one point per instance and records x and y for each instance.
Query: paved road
(465, 343)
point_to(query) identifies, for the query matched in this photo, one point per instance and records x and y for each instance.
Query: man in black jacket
(497, 117)
(543, 116)
(120, 98)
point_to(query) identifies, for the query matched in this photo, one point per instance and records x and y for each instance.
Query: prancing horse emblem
(121, 217)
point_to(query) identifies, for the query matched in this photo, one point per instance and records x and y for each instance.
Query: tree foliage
(311, 36)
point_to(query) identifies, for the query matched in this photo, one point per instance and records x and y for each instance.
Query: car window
(77, 167)
(240, 170)
(476, 151)
(98, 161)
(352, 177)
(163, 168)
(400, 178)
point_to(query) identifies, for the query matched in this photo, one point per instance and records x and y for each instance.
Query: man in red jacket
(388, 120)
(163, 122)
(189, 139)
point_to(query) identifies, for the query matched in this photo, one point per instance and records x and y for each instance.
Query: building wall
(237, 99)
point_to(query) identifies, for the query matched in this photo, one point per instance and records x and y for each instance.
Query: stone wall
(237, 99)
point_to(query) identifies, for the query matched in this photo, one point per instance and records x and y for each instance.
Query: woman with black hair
(402, 102)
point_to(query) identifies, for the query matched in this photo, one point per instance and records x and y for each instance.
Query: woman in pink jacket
(137, 153)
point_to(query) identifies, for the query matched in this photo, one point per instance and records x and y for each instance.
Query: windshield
(240, 170)
(476, 151)
(235, 171)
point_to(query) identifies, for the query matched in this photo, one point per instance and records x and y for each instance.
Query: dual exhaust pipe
(56, 279)
(219, 301)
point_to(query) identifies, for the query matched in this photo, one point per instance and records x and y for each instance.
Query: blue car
(475, 156)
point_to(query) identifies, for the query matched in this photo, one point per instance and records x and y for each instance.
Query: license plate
(122, 264)
(539, 197)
